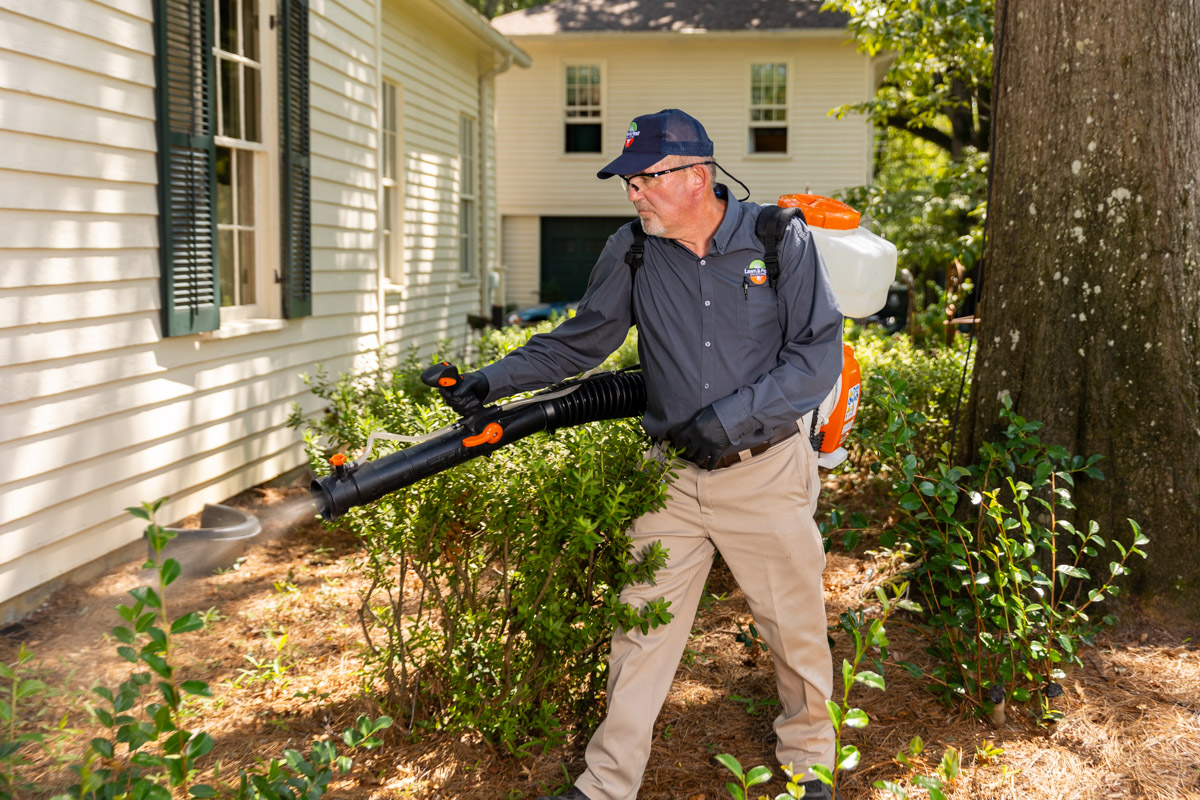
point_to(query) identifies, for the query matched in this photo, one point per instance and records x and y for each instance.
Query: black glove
(703, 439)
(466, 397)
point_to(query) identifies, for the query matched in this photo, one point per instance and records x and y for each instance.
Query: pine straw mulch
(1131, 727)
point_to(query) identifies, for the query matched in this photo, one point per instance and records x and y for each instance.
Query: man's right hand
(467, 396)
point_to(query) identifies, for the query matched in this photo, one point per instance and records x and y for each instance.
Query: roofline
(775, 33)
(479, 25)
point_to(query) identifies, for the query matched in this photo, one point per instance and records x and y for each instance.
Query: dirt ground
(282, 654)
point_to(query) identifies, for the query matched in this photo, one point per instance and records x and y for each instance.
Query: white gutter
(479, 25)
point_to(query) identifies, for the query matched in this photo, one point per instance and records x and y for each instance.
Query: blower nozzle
(607, 395)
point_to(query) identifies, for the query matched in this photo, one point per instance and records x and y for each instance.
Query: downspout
(485, 282)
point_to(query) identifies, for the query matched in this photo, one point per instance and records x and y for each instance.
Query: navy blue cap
(670, 132)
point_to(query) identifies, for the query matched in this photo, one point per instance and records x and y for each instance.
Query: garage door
(570, 246)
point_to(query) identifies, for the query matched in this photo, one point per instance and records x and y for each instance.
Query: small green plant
(753, 705)
(750, 638)
(867, 633)
(944, 775)
(1005, 573)
(266, 670)
(756, 776)
(146, 754)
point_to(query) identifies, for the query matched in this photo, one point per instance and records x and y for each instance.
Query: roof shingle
(593, 16)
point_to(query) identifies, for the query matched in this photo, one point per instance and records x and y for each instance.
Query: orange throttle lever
(490, 435)
(443, 374)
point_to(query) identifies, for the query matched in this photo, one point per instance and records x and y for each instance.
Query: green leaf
(848, 757)
(146, 595)
(758, 775)
(103, 747)
(202, 790)
(869, 678)
(191, 621)
(823, 773)
(735, 791)
(169, 571)
(730, 763)
(857, 718)
(1074, 572)
(197, 687)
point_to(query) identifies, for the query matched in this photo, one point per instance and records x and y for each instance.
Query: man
(731, 363)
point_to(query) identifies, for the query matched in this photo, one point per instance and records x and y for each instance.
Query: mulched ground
(1131, 727)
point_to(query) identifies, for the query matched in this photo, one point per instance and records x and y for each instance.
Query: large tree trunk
(1091, 296)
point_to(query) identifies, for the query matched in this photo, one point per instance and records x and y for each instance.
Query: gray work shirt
(708, 333)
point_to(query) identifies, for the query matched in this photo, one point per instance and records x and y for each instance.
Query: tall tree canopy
(940, 86)
(1091, 295)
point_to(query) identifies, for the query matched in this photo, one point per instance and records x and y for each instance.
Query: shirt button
(706, 386)
(707, 303)
(708, 344)
(703, 262)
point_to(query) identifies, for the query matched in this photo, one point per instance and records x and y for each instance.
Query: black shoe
(572, 794)
(817, 790)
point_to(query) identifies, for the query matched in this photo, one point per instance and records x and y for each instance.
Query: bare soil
(1131, 727)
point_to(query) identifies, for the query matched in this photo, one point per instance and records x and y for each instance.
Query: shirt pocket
(758, 314)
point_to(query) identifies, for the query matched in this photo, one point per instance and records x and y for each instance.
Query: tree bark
(1090, 301)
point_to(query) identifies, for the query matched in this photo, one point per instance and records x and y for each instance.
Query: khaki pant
(759, 515)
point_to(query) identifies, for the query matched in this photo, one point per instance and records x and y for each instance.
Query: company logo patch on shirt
(756, 273)
(631, 134)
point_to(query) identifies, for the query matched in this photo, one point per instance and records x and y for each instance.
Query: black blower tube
(609, 395)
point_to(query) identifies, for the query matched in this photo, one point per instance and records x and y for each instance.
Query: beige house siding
(98, 411)
(706, 75)
(521, 242)
(431, 302)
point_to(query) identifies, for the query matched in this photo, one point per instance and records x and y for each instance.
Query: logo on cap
(631, 134)
(756, 272)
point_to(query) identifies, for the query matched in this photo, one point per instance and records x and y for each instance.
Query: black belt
(781, 435)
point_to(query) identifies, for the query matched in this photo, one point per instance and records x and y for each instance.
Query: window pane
(583, 138)
(245, 187)
(246, 293)
(252, 77)
(231, 117)
(250, 29)
(224, 186)
(227, 21)
(228, 268)
(768, 140)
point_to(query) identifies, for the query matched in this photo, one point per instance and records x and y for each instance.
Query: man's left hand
(703, 439)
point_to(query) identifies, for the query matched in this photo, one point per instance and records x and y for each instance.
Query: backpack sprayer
(861, 267)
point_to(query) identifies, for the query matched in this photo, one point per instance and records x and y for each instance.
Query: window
(390, 181)
(768, 108)
(227, 142)
(241, 163)
(468, 164)
(582, 109)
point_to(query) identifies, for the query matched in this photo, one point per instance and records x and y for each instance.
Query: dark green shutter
(297, 218)
(186, 166)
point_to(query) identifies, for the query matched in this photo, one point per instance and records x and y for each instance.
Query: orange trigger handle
(490, 435)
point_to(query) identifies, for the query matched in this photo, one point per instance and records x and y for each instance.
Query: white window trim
(562, 98)
(269, 305)
(470, 277)
(789, 105)
(395, 282)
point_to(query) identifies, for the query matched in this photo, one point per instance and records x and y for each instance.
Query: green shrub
(495, 582)
(930, 206)
(932, 382)
(1001, 569)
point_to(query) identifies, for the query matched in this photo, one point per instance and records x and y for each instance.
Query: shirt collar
(729, 224)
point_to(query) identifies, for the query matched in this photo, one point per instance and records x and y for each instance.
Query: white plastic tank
(861, 264)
